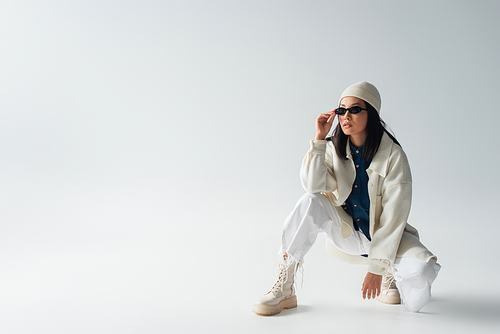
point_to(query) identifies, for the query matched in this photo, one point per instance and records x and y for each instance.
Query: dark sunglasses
(352, 110)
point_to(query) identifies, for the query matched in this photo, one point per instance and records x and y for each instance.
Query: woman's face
(354, 124)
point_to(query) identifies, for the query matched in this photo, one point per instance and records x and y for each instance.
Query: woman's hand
(324, 124)
(371, 285)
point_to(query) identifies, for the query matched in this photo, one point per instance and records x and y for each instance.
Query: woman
(358, 185)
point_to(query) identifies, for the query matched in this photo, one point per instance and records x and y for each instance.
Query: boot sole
(267, 310)
(389, 300)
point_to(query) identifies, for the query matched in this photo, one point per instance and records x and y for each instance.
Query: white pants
(314, 214)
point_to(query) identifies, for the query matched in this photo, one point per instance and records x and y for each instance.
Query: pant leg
(314, 214)
(414, 279)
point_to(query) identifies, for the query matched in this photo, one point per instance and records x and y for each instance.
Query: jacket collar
(381, 158)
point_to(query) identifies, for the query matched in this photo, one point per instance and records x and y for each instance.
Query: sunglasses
(352, 110)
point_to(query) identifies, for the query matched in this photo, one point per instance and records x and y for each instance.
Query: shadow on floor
(296, 310)
(467, 308)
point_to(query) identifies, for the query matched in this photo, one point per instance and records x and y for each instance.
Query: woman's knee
(430, 271)
(316, 206)
(311, 198)
(416, 273)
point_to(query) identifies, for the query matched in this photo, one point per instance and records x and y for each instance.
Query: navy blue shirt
(357, 204)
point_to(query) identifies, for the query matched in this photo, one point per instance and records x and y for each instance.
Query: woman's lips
(346, 125)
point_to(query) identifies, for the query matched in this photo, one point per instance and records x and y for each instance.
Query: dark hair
(375, 129)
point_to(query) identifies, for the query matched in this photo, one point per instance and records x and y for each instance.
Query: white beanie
(364, 91)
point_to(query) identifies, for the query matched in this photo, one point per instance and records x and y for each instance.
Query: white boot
(282, 294)
(389, 293)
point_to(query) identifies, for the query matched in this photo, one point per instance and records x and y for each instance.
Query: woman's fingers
(369, 293)
(364, 290)
(328, 113)
(326, 117)
(331, 116)
(371, 286)
(324, 124)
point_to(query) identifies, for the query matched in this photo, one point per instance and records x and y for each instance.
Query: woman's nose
(347, 115)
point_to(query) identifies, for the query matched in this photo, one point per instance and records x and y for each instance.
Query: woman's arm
(395, 201)
(316, 172)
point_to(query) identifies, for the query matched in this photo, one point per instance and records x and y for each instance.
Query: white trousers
(314, 214)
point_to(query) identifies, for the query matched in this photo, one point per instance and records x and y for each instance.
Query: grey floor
(118, 260)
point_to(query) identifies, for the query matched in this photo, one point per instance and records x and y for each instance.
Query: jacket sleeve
(317, 173)
(395, 203)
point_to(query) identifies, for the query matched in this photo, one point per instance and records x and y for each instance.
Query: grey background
(150, 151)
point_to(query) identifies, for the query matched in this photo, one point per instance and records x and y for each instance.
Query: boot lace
(282, 277)
(388, 282)
(284, 265)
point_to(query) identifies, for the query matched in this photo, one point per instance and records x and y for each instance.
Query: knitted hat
(364, 91)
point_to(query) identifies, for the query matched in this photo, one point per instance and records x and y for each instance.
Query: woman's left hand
(371, 285)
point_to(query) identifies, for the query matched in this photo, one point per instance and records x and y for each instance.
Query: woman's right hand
(324, 124)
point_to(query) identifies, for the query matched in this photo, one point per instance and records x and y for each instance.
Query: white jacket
(389, 189)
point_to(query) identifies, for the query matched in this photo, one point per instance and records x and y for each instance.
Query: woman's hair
(375, 129)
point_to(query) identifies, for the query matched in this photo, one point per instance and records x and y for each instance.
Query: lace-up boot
(282, 294)
(389, 293)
